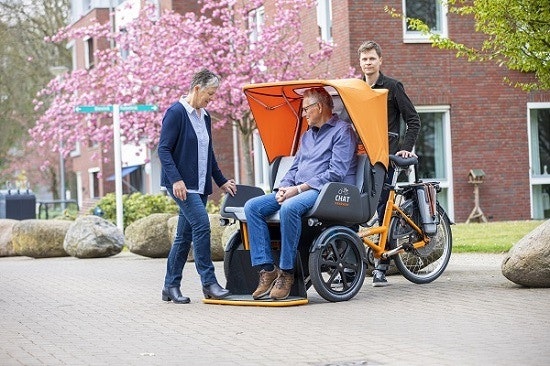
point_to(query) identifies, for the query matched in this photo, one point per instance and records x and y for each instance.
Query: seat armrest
(232, 206)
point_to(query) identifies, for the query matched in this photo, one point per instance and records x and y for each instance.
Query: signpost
(116, 109)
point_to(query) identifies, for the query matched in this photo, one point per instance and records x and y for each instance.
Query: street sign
(139, 108)
(93, 108)
(116, 109)
(123, 108)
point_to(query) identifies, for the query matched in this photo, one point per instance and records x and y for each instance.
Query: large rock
(149, 236)
(216, 235)
(528, 262)
(216, 232)
(228, 232)
(6, 235)
(40, 238)
(93, 237)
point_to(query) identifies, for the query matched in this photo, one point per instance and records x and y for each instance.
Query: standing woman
(188, 166)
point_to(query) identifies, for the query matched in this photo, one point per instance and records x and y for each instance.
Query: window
(89, 53)
(324, 19)
(261, 165)
(431, 12)
(433, 148)
(76, 151)
(539, 158)
(256, 21)
(124, 49)
(93, 176)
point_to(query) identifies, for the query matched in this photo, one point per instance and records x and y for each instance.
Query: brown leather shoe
(267, 279)
(282, 286)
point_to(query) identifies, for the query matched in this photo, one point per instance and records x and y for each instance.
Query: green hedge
(138, 205)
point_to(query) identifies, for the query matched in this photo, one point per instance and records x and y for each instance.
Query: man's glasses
(309, 106)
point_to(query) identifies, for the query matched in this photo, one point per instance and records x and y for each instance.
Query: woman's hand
(230, 187)
(179, 190)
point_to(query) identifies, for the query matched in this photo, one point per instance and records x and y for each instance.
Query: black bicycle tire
(415, 268)
(320, 267)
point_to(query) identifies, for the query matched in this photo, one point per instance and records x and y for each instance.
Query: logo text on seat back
(342, 198)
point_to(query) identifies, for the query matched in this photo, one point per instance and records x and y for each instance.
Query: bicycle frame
(392, 209)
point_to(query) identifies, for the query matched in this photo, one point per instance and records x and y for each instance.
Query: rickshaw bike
(337, 245)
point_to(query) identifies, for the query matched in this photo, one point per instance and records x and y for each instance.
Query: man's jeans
(384, 264)
(291, 212)
(193, 226)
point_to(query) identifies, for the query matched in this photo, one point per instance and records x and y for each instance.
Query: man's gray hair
(205, 79)
(320, 95)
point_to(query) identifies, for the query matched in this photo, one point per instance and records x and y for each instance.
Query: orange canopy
(276, 108)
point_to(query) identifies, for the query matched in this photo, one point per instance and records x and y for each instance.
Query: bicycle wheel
(336, 265)
(422, 265)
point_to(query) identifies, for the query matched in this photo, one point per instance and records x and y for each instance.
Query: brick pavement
(68, 311)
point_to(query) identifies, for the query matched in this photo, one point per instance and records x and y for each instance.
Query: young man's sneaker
(379, 279)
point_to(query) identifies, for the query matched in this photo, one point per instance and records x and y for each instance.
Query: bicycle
(333, 254)
(419, 257)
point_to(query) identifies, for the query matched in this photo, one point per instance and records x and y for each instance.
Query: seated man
(326, 154)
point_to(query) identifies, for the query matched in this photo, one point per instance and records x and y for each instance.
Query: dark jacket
(399, 105)
(177, 151)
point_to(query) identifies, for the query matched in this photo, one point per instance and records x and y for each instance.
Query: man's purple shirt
(326, 154)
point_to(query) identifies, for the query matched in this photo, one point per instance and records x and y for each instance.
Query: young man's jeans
(291, 212)
(384, 264)
(193, 226)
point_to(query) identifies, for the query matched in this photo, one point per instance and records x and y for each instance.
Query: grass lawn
(491, 237)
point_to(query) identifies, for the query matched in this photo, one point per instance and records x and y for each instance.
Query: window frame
(539, 179)
(418, 37)
(324, 20)
(256, 23)
(447, 182)
(88, 52)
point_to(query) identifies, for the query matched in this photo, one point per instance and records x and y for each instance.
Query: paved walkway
(68, 311)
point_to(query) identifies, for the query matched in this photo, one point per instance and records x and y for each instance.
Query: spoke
(329, 263)
(330, 281)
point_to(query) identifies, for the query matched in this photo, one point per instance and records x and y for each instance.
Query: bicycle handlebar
(403, 162)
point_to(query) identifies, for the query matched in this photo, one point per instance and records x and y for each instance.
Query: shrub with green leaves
(138, 205)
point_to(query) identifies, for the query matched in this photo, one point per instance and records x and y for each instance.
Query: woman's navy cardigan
(177, 150)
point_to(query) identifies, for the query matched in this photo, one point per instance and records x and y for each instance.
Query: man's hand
(406, 154)
(285, 193)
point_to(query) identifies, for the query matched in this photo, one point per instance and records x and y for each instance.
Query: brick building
(471, 119)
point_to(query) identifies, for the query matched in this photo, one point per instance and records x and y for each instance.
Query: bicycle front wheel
(336, 265)
(422, 265)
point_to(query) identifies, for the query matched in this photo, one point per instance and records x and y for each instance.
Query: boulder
(528, 261)
(150, 236)
(216, 232)
(228, 233)
(40, 238)
(93, 237)
(216, 235)
(6, 235)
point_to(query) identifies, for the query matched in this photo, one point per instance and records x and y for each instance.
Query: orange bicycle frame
(379, 248)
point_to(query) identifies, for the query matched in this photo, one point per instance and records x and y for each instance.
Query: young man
(326, 154)
(399, 106)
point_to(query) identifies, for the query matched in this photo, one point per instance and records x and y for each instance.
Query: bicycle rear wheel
(422, 265)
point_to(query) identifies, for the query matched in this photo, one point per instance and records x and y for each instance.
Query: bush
(138, 205)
